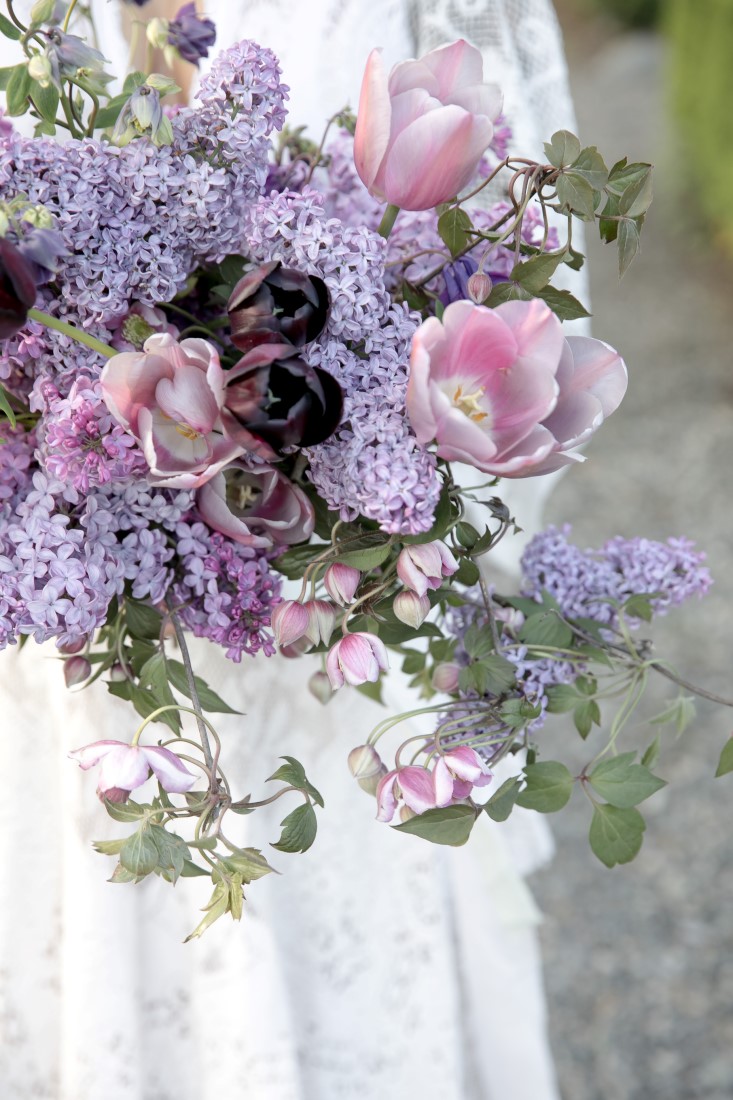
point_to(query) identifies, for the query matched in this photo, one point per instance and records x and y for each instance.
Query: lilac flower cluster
(373, 464)
(583, 581)
(225, 591)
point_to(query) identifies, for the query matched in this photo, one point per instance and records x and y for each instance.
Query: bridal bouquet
(230, 356)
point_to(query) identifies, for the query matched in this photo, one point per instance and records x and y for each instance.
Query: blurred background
(639, 966)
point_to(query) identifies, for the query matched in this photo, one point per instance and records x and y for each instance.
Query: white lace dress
(376, 965)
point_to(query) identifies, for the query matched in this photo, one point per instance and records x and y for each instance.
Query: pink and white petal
(90, 755)
(420, 397)
(455, 66)
(167, 450)
(481, 346)
(435, 157)
(523, 460)
(386, 800)
(462, 788)
(373, 120)
(575, 419)
(462, 440)
(442, 783)
(125, 767)
(556, 460)
(479, 99)
(406, 75)
(464, 763)
(167, 347)
(169, 770)
(418, 790)
(599, 368)
(187, 398)
(214, 510)
(128, 382)
(537, 330)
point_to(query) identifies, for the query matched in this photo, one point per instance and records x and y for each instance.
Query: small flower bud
(445, 677)
(321, 619)
(410, 608)
(341, 583)
(366, 767)
(320, 688)
(41, 70)
(44, 11)
(479, 287)
(76, 671)
(290, 621)
(75, 646)
(297, 649)
(116, 674)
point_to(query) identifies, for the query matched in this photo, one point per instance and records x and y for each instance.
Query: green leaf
(576, 194)
(372, 691)
(142, 620)
(139, 853)
(299, 830)
(622, 783)
(454, 225)
(637, 196)
(563, 150)
(561, 698)
(515, 713)
(615, 834)
(294, 562)
(218, 905)
(585, 715)
(549, 786)
(209, 700)
(126, 811)
(651, 755)
(17, 91)
(507, 292)
(535, 274)
(122, 875)
(592, 167)
(132, 81)
(467, 534)
(109, 847)
(172, 851)
(547, 629)
(192, 870)
(5, 407)
(563, 304)
(467, 572)
(501, 673)
(293, 773)
(478, 641)
(639, 607)
(725, 764)
(413, 663)
(154, 675)
(628, 244)
(9, 29)
(367, 559)
(450, 825)
(249, 863)
(680, 712)
(44, 129)
(45, 100)
(501, 804)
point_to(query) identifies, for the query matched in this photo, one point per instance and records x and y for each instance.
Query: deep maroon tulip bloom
(17, 289)
(273, 395)
(273, 304)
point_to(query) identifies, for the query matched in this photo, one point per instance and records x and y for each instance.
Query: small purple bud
(479, 287)
(191, 34)
(445, 677)
(76, 671)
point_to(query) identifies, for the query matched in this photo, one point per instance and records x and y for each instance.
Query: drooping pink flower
(321, 619)
(170, 396)
(256, 506)
(341, 582)
(422, 130)
(367, 768)
(125, 767)
(356, 659)
(504, 391)
(290, 621)
(452, 779)
(423, 566)
(410, 608)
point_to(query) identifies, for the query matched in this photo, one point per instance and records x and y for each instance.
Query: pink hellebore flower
(452, 779)
(170, 396)
(504, 391)
(341, 583)
(423, 566)
(421, 132)
(321, 620)
(289, 621)
(355, 659)
(256, 507)
(125, 767)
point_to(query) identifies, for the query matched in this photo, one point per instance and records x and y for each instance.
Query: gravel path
(639, 968)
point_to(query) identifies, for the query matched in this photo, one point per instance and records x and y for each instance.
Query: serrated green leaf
(142, 620)
(478, 641)
(192, 870)
(637, 196)
(172, 851)
(298, 830)
(622, 783)
(576, 194)
(139, 854)
(563, 304)
(534, 274)
(507, 292)
(454, 225)
(501, 804)
(133, 81)
(9, 30)
(126, 811)
(17, 91)
(725, 763)
(628, 244)
(563, 149)
(592, 167)
(561, 698)
(217, 906)
(109, 847)
(122, 875)
(209, 700)
(547, 629)
(292, 772)
(450, 825)
(515, 713)
(616, 835)
(549, 786)
(249, 863)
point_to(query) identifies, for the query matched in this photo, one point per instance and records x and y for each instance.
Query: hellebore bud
(410, 608)
(76, 671)
(320, 687)
(445, 678)
(367, 768)
(341, 583)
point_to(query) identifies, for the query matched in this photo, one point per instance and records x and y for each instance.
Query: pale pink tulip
(504, 391)
(422, 130)
(425, 565)
(125, 767)
(256, 507)
(169, 397)
(356, 659)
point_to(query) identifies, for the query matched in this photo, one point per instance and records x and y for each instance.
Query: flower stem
(388, 219)
(72, 5)
(75, 333)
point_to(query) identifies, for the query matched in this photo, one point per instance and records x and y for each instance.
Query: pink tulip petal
(600, 369)
(187, 398)
(214, 510)
(171, 773)
(479, 99)
(537, 330)
(373, 120)
(455, 66)
(128, 383)
(522, 460)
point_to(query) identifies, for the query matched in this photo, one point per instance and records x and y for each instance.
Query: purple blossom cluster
(584, 581)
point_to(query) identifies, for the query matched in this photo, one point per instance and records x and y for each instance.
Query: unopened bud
(445, 677)
(479, 287)
(410, 608)
(116, 674)
(366, 767)
(157, 33)
(297, 648)
(75, 646)
(320, 688)
(76, 671)
(39, 69)
(290, 621)
(42, 12)
(321, 619)
(341, 583)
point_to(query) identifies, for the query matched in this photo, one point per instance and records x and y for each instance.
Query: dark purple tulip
(273, 395)
(191, 34)
(43, 248)
(17, 289)
(273, 304)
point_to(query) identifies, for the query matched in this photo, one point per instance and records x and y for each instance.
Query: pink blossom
(356, 659)
(169, 397)
(423, 566)
(125, 767)
(445, 677)
(504, 391)
(341, 583)
(422, 130)
(321, 619)
(290, 621)
(410, 608)
(452, 779)
(367, 767)
(256, 507)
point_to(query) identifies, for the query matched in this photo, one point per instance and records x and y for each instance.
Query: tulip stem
(388, 219)
(75, 333)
